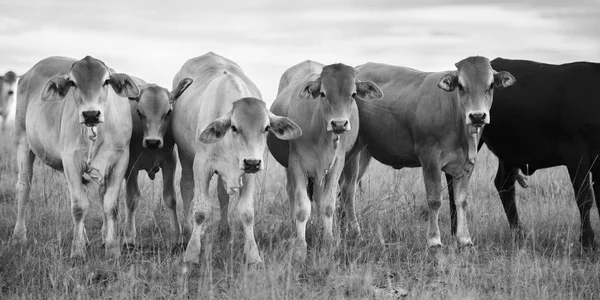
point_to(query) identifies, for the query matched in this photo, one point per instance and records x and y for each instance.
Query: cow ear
(504, 79)
(181, 87)
(367, 90)
(124, 85)
(283, 128)
(311, 90)
(57, 88)
(449, 82)
(216, 130)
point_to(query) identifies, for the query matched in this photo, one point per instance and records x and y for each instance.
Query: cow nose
(153, 143)
(252, 165)
(478, 118)
(339, 126)
(91, 116)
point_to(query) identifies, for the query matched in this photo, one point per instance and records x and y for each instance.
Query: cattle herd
(98, 127)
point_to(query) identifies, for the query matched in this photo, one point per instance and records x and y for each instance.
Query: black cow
(550, 117)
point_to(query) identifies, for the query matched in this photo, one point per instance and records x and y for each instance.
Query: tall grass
(392, 254)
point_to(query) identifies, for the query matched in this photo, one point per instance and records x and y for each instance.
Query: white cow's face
(336, 88)
(248, 124)
(474, 83)
(154, 109)
(7, 89)
(89, 80)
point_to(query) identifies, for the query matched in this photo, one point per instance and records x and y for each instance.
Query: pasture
(391, 256)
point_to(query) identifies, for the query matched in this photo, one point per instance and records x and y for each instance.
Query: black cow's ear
(504, 79)
(311, 90)
(57, 88)
(449, 82)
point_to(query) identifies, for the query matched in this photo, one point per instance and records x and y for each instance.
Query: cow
(74, 116)
(427, 120)
(548, 119)
(220, 126)
(7, 85)
(322, 101)
(152, 149)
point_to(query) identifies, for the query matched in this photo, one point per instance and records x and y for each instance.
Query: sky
(153, 39)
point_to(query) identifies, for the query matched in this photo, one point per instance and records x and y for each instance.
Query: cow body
(320, 99)
(61, 103)
(548, 119)
(423, 122)
(152, 149)
(220, 126)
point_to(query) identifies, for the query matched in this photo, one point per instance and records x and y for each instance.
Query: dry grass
(548, 264)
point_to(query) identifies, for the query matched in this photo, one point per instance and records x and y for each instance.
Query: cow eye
(323, 95)
(139, 113)
(461, 88)
(106, 82)
(353, 94)
(168, 113)
(10, 92)
(491, 86)
(267, 128)
(233, 128)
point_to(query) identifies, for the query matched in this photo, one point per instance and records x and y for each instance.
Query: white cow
(63, 105)
(7, 90)
(220, 126)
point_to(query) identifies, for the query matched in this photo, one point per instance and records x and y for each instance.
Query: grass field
(391, 257)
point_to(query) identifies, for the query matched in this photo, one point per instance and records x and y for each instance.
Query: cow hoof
(254, 262)
(465, 243)
(300, 251)
(129, 248)
(434, 243)
(178, 249)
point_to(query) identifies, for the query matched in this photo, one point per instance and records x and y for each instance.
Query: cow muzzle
(338, 126)
(252, 165)
(478, 119)
(92, 117)
(152, 143)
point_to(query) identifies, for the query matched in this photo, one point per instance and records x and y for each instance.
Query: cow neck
(326, 143)
(93, 173)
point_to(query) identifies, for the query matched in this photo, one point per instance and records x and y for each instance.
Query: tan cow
(152, 150)
(322, 101)
(220, 126)
(7, 90)
(428, 120)
(63, 105)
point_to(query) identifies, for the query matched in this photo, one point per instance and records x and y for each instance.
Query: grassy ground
(392, 255)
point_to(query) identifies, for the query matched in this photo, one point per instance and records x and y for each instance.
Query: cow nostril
(91, 114)
(477, 117)
(252, 163)
(153, 143)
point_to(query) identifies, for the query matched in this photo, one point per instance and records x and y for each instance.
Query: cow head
(474, 82)
(337, 87)
(249, 122)
(7, 89)
(154, 108)
(89, 79)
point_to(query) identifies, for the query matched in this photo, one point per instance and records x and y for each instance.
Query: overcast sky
(152, 39)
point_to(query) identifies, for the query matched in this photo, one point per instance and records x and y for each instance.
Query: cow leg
(186, 186)
(433, 189)
(349, 179)
(453, 224)
(460, 191)
(325, 197)
(505, 185)
(25, 159)
(79, 204)
(110, 201)
(579, 173)
(168, 173)
(201, 210)
(596, 185)
(132, 198)
(246, 213)
(224, 230)
(297, 183)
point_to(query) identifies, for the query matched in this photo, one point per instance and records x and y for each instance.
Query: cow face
(249, 122)
(89, 80)
(154, 109)
(7, 89)
(336, 88)
(474, 83)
